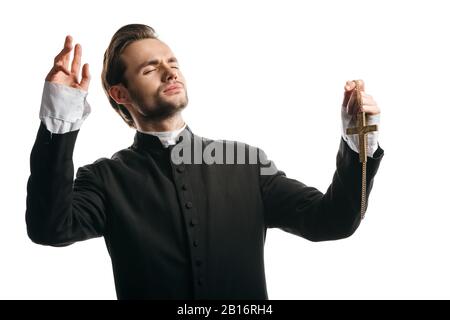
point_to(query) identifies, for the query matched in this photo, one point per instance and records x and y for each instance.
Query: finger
(354, 106)
(63, 56)
(370, 109)
(361, 84)
(76, 60)
(85, 77)
(349, 86)
(368, 101)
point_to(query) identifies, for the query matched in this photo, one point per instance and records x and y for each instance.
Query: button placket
(190, 214)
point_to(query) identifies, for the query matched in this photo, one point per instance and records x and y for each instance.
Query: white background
(271, 74)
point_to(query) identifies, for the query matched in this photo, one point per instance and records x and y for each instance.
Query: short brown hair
(113, 66)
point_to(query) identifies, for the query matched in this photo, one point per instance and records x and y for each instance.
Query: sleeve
(59, 210)
(305, 211)
(63, 109)
(352, 140)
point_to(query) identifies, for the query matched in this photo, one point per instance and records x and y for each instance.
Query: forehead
(143, 50)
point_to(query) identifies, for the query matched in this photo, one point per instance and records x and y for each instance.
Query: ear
(120, 94)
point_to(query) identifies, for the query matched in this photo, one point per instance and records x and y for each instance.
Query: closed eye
(148, 71)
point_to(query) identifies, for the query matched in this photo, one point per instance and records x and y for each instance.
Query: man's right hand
(60, 72)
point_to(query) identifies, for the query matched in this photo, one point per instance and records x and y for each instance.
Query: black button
(180, 169)
(200, 281)
(184, 186)
(194, 221)
(198, 263)
(195, 243)
(188, 205)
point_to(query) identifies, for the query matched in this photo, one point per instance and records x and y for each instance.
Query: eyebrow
(154, 62)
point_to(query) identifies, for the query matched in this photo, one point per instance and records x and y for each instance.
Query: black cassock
(183, 231)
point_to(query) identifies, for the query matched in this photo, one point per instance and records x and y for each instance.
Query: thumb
(350, 85)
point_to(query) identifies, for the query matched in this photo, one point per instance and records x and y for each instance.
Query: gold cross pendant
(361, 128)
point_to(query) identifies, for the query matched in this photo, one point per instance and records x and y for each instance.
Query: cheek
(182, 78)
(147, 86)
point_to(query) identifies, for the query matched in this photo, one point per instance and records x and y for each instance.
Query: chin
(178, 103)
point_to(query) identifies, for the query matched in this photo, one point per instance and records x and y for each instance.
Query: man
(175, 227)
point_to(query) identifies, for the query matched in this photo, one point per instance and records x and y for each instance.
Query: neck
(170, 124)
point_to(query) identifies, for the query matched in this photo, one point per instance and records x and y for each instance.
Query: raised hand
(60, 72)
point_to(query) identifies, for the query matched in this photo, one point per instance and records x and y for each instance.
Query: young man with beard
(191, 229)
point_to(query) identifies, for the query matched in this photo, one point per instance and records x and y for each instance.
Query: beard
(162, 108)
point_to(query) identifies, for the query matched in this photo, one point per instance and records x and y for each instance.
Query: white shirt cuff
(63, 108)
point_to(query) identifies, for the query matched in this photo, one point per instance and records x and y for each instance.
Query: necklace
(362, 129)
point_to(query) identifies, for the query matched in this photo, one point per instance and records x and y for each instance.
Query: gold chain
(364, 161)
(363, 191)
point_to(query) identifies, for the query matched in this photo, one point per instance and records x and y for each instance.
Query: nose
(170, 74)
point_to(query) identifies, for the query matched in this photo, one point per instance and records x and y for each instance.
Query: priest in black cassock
(183, 217)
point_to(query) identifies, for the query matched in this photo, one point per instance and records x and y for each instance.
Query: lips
(172, 87)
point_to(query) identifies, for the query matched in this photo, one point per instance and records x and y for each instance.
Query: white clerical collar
(167, 138)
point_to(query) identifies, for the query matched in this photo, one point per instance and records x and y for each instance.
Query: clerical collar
(150, 141)
(167, 138)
